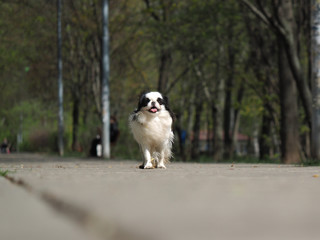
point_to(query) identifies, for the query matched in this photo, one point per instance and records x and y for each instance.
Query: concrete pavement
(69, 198)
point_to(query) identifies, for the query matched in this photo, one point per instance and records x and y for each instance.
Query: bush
(40, 140)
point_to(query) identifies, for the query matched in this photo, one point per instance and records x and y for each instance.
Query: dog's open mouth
(153, 109)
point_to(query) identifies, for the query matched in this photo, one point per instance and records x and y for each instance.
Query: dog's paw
(148, 166)
(161, 165)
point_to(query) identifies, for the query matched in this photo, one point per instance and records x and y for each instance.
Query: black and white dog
(151, 125)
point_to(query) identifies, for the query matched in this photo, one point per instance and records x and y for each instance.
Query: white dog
(151, 125)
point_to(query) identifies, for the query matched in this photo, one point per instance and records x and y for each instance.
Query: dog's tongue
(153, 110)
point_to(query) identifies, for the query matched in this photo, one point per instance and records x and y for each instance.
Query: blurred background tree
(237, 73)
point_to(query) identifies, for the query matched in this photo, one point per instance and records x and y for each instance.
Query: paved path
(60, 198)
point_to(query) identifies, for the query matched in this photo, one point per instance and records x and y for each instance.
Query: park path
(68, 198)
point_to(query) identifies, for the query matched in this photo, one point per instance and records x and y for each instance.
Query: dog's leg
(147, 158)
(161, 160)
(165, 154)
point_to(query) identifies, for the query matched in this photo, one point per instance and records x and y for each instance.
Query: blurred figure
(114, 130)
(96, 147)
(96, 143)
(5, 146)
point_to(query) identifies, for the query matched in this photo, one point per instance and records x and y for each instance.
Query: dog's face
(152, 102)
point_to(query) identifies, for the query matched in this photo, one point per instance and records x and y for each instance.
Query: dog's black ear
(166, 104)
(141, 97)
(143, 101)
(166, 100)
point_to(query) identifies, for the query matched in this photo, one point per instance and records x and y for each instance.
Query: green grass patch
(4, 173)
(309, 162)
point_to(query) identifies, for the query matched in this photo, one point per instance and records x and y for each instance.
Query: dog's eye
(146, 101)
(160, 101)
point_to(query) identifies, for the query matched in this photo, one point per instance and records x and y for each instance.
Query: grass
(309, 162)
(4, 173)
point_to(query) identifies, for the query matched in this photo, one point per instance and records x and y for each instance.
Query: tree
(315, 79)
(160, 13)
(215, 62)
(263, 63)
(283, 24)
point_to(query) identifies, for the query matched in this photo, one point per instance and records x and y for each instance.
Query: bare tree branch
(264, 16)
(256, 11)
(153, 14)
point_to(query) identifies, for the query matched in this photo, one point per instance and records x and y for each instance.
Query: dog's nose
(153, 104)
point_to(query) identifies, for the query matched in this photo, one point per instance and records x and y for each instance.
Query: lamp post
(60, 83)
(105, 82)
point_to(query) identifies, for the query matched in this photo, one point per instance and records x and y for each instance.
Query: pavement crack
(102, 228)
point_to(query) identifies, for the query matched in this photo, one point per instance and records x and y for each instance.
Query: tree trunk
(217, 134)
(209, 132)
(196, 131)
(197, 123)
(190, 120)
(253, 145)
(265, 140)
(228, 151)
(290, 146)
(286, 16)
(227, 117)
(75, 124)
(276, 145)
(236, 119)
(265, 136)
(217, 114)
(283, 24)
(315, 143)
(165, 62)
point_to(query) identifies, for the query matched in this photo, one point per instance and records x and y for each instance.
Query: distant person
(114, 130)
(96, 143)
(96, 147)
(5, 146)
(183, 137)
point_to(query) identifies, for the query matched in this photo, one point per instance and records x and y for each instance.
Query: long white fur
(153, 133)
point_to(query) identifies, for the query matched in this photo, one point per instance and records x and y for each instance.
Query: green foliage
(309, 162)
(31, 117)
(4, 173)
(207, 42)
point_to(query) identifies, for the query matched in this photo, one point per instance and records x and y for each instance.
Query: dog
(151, 126)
